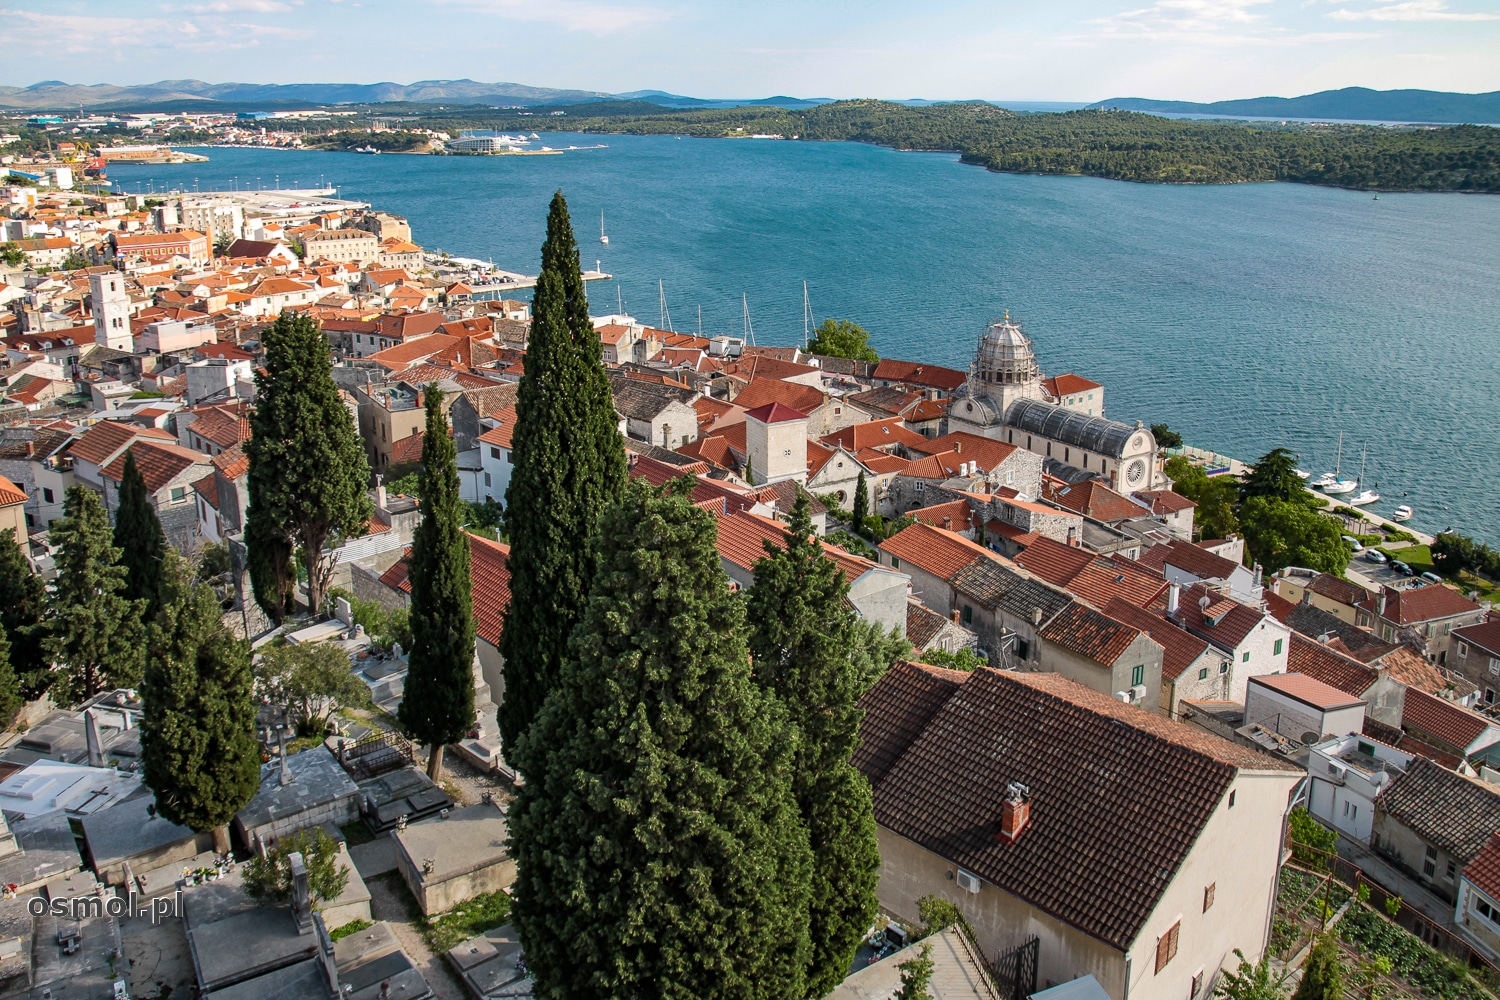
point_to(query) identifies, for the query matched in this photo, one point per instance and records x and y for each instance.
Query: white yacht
(1342, 486)
(1304, 476)
(1326, 479)
(1367, 497)
(602, 237)
(1403, 513)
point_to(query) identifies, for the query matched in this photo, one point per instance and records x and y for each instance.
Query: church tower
(1005, 366)
(111, 311)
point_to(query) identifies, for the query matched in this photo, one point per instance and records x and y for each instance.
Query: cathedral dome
(1005, 355)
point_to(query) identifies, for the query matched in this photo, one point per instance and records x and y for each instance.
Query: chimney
(286, 775)
(1073, 537)
(380, 496)
(1380, 603)
(954, 615)
(1036, 617)
(1015, 812)
(91, 735)
(301, 894)
(1174, 598)
(947, 524)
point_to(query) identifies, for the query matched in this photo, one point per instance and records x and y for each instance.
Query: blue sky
(1075, 50)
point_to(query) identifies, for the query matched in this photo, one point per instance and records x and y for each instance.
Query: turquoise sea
(1245, 316)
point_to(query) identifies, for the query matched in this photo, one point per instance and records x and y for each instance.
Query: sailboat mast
(806, 317)
(666, 314)
(1363, 452)
(1338, 463)
(749, 330)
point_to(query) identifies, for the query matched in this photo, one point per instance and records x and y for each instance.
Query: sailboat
(666, 314)
(1330, 481)
(749, 330)
(1367, 496)
(806, 317)
(602, 237)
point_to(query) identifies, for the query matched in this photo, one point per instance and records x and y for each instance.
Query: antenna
(806, 317)
(749, 330)
(666, 314)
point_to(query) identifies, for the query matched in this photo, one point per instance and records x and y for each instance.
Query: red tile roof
(106, 439)
(500, 434)
(160, 463)
(941, 553)
(1165, 501)
(408, 449)
(760, 391)
(1455, 725)
(1096, 579)
(1180, 648)
(1329, 666)
(1050, 734)
(885, 433)
(955, 515)
(774, 413)
(409, 352)
(398, 577)
(1090, 634)
(941, 466)
(913, 373)
(1484, 871)
(1485, 635)
(490, 581)
(1190, 558)
(208, 489)
(968, 447)
(897, 710)
(1308, 690)
(10, 493)
(1235, 620)
(743, 537)
(1422, 604)
(1066, 385)
(1093, 499)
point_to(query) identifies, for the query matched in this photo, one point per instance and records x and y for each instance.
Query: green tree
(214, 561)
(438, 706)
(268, 879)
(658, 844)
(10, 689)
(308, 471)
(965, 659)
(842, 338)
(860, 512)
(569, 466)
(800, 646)
(11, 253)
(138, 536)
(74, 261)
(1165, 436)
(873, 650)
(23, 603)
(1273, 477)
(311, 680)
(1251, 982)
(916, 976)
(1282, 533)
(199, 751)
(1323, 973)
(1216, 497)
(95, 632)
(273, 574)
(1307, 838)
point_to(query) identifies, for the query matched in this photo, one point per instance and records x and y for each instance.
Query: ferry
(369, 150)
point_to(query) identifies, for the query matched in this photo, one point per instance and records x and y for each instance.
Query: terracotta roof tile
(1484, 871)
(914, 373)
(1066, 385)
(955, 515)
(1438, 717)
(1093, 499)
(1050, 734)
(398, 577)
(774, 413)
(490, 577)
(1308, 690)
(1234, 620)
(10, 493)
(1091, 634)
(1456, 814)
(1422, 604)
(885, 433)
(1165, 501)
(760, 391)
(923, 624)
(941, 553)
(968, 447)
(1094, 578)
(160, 463)
(1313, 659)
(1485, 635)
(897, 710)
(1180, 648)
(500, 434)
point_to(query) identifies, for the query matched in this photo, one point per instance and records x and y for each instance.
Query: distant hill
(1351, 103)
(55, 94)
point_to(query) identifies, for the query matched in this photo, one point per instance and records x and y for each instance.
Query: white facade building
(1345, 774)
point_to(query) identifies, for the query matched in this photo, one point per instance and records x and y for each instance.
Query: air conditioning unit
(967, 881)
(1124, 696)
(1138, 693)
(1337, 770)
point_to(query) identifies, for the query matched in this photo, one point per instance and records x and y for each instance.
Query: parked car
(1401, 567)
(1375, 556)
(1354, 544)
(1432, 577)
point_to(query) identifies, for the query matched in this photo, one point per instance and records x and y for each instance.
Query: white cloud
(573, 15)
(79, 34)
(232, 6)
(1411, 10)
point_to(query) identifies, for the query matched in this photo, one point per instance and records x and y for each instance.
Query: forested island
(1120, 145)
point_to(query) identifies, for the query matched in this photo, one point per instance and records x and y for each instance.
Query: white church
(1007, 398)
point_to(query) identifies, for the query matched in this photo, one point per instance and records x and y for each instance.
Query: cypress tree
(198, 747)
(801, 641)
(1323, 974)
(23, 602)
(438, 706)
(659, 848)
(308, 471)
(138, 536)
(569, 466)
(96, 634)
(861, 509)
(10, 690)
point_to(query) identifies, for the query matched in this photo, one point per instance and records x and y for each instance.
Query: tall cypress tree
(569, 466)
(438, 706)
(861, 509)
(659, 848)
(800, 640)
(138, 536)
(10, 690)
(23, 602)
(198, 746)
(308, 471)
(95, 632)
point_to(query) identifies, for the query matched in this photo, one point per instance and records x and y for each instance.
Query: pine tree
(198, 744)
(138, 536)
(23, 602)
(861, 509)
(1323, 973)
(10, 690)
(96, 635)
(438, 706)
(569, 466)
(800, 642)
(308, 471)
(658, 844)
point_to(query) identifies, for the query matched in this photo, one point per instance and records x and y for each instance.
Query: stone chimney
(286, 774)
(301, 893)
(1380, 603)
(1015, 812)
(954, 615)
(91, 735)
(1174, 598)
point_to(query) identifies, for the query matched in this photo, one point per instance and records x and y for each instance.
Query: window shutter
(1166, 946)
(1208, 895)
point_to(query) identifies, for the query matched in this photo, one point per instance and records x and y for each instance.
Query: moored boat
(1367, 497)
(1402, 513)
(1342, 486)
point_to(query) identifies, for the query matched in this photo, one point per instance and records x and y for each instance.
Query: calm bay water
(1245, 316)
